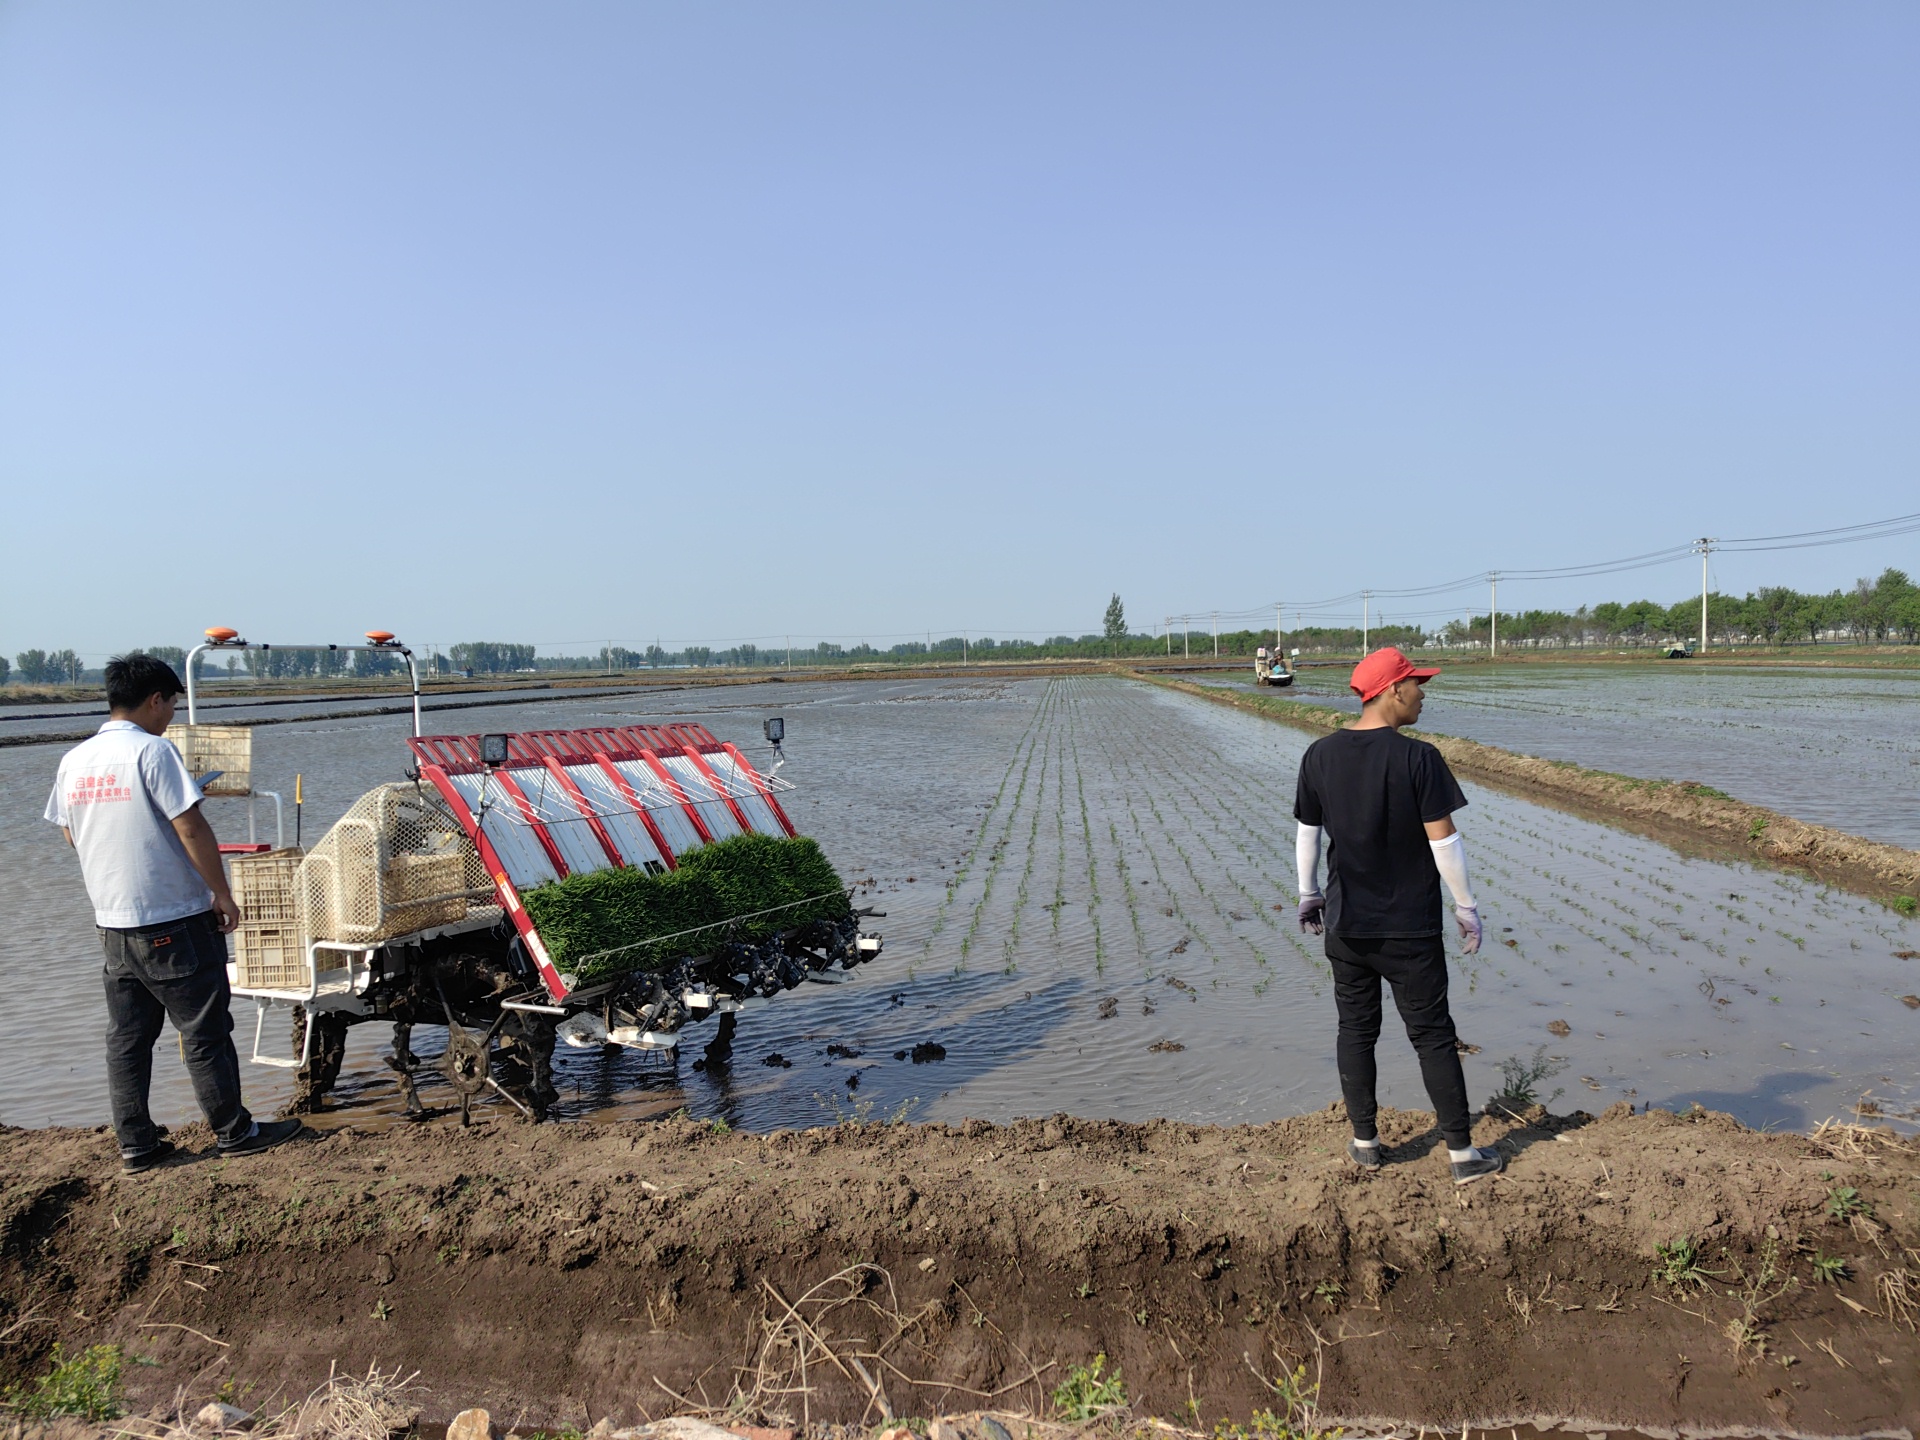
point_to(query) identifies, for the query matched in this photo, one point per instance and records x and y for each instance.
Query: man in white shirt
(127, 803)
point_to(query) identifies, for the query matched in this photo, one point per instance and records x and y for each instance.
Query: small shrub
(1906, 904)
(1088, 1392)
(84, 1386)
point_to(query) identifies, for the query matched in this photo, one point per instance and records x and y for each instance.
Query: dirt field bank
(568, 1274)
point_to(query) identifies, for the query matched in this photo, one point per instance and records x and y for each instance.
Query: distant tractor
(1270, 667)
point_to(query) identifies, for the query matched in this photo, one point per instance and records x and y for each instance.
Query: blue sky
(587, 322)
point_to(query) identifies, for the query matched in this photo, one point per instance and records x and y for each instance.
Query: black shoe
(1367, 1157)
(162, 1152)
(266, 1134)
(1484, 1163)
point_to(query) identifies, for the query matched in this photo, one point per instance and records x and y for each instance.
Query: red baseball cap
(1381, 669)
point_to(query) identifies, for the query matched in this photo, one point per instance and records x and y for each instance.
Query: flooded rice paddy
(1833, 747)
(1089, 886)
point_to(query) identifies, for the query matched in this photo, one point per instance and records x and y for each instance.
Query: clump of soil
(1673, 810)
(1652, 1269)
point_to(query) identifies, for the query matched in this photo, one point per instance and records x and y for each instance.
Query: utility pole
(789, 654)
(1186, 636)
(1705, 544)
(1276, 628)
(1493, 614)
(1366, 606)
(1216, 634)
(1167, 625)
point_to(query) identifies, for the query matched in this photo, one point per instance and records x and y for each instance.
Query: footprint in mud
(1181, 948)
(1559, 1027)
(1109, 1008)
(1166, 1047)
(1166, 909)
(1177, 983)
(1147, 1007)
(1235, 915)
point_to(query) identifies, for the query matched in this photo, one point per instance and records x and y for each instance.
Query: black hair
(132, 678)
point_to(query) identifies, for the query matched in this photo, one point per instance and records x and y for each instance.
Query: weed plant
(1089, 1392)
(1520, 1080)
(84, 1386)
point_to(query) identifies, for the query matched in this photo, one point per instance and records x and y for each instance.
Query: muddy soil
(1676, 811)
(564, 1274)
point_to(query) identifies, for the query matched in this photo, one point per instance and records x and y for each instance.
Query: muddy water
(1080, 877)
(1839, 748)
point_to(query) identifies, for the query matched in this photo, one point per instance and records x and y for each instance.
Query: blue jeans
(174, 971)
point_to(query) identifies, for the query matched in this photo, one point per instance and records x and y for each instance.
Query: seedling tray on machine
(564, 804)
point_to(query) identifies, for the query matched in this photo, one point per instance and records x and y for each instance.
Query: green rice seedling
(1520, 1080)
(1906, 904)
(608, 922)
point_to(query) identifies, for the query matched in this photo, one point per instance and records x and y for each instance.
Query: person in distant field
(126, 802)
(1384, 803)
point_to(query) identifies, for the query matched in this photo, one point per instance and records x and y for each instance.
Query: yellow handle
(296, 789)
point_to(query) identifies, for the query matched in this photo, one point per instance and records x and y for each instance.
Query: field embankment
(1672, 810)
(564, 1274)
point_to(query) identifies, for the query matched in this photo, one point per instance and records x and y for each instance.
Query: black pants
(1417, 970)
(174, 971)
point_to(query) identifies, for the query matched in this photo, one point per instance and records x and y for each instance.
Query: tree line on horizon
(1881, 611)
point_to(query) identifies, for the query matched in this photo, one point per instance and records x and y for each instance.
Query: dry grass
(374, 1406)
(1899, 1292)
(850, 1324)
(1860, 1144)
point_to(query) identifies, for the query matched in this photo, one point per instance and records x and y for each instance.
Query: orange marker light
(221, 634)
(380, 637)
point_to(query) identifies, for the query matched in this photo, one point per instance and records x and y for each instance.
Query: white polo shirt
(118, 794)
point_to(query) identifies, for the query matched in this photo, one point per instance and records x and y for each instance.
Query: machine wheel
(524, 1063)
(316, 1078)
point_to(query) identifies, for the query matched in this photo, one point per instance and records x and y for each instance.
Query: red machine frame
(548, 752)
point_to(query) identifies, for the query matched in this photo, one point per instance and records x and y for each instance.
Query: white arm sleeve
(1450, 858)
(1306, 856)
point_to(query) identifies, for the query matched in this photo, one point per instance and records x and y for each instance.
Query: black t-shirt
(1372, 791)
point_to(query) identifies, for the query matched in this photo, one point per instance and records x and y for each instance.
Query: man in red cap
(1384, 803)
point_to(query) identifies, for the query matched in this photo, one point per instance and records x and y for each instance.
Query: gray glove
(1313, 915)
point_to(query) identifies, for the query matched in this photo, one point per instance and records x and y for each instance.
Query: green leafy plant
(1905, 904)
(1297, 1417)
(1844, 1202)
(1678, 1263)
(1829, 1269)
(85, 1386)
(1520, 1080)
(1089, 1392)
(1329, 1291)
(607, 922)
